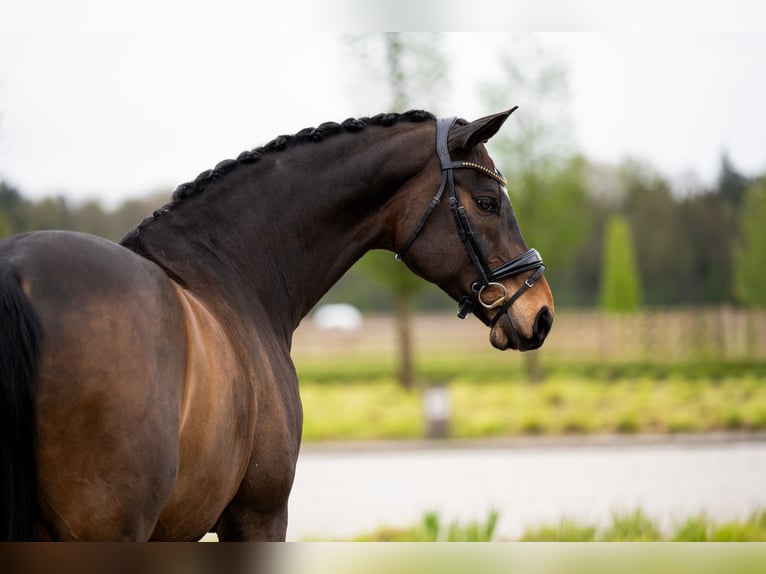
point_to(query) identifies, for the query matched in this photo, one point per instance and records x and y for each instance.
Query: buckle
(465, 306)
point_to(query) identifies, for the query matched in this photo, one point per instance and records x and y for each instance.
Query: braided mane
(280, 143)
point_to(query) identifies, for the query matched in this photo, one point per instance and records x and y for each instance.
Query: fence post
(437, 408)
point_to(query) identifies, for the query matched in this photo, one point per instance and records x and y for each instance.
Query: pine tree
(750, 261)
(620, 284)
(731, 185)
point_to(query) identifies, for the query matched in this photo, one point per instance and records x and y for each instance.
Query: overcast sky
(112, 100)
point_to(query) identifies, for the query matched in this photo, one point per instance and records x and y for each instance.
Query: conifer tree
(750, 261)
(620, 285)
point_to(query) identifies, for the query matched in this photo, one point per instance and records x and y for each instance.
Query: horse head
(472, 247)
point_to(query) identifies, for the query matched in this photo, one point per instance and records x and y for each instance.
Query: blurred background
(636, 166)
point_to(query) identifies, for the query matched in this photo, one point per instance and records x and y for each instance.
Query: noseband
(529, 261)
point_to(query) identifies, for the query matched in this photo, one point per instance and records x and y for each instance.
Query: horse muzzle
(505, 334)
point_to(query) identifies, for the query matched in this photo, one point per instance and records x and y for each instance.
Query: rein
(528, 261)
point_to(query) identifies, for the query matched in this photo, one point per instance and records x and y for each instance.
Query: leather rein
(529, 261)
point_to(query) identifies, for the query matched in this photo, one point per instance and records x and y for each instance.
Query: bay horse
(146, 388)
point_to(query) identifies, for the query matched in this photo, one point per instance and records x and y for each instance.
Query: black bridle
(529, 261)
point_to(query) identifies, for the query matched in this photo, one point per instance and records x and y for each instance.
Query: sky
(114, 100)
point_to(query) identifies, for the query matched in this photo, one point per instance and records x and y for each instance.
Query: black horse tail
(20, 335)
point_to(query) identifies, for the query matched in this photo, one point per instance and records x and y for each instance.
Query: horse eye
(486, 204)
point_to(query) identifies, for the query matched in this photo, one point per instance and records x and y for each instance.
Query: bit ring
(497, 302)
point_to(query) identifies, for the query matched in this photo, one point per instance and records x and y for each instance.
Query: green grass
(632, 526)
(433, 529)
(364, 402)
(491, 366)
(566, 530)
(360, 411)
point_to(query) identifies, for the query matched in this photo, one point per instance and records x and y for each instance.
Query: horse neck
(274, 236)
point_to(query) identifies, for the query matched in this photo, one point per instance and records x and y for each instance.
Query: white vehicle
(338, 316)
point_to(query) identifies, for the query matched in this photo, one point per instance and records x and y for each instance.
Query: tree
(546, 178)
(90, 217)
(620, 290)
(49, 213)
(403, 70)
(730, 192)
(12, 206)
(414, 66)
(664, 252)
(750, 271)
(710, 234)
(731, 184)
(5, 226)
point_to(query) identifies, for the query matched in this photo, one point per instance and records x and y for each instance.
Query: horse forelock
(282, 142)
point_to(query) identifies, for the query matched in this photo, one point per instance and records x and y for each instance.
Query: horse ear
(478, 131)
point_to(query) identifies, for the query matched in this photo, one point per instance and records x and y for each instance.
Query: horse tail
(20, 335)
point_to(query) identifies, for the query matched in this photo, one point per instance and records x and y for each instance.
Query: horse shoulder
(215, 427)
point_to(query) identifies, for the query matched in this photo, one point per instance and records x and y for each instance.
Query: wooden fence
(722, 333)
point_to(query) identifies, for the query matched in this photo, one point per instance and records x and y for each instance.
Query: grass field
(362, 401)
(631, 526)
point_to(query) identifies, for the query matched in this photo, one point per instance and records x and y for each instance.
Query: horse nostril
(543, 324)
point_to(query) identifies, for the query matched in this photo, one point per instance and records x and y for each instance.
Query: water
(343, 493)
